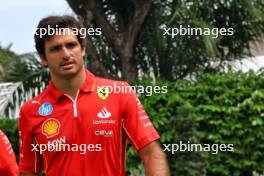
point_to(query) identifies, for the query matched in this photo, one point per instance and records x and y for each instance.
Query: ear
(44, 61)
(83, 52)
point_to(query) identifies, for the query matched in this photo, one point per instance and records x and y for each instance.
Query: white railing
(9, 99)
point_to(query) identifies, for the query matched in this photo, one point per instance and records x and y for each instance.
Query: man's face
(63, 55)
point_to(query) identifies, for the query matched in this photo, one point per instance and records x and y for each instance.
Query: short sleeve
(29, 160)
(8, 165)
(137, 124)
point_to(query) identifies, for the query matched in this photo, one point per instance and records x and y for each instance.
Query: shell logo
(51, 127)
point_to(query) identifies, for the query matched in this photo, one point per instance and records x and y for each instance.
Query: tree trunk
(123, 43)
(129, 65)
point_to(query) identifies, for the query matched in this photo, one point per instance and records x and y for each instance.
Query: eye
(55, 48)
(71, 45)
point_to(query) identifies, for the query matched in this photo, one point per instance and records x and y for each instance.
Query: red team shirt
(97, 121)
(8, 165)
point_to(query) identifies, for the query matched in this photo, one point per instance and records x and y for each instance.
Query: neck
(70, 84)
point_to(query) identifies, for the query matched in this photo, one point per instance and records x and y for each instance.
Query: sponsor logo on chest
(51, 127)
(45, 109)
(105, 133)
(104, 116)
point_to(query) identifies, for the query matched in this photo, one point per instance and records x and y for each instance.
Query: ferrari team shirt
(82, 136)
(8, 165)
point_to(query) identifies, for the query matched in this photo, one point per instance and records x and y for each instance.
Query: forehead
(60, 38)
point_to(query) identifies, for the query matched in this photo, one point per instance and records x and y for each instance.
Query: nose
(66, 54)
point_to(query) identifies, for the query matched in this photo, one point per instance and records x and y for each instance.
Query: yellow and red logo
(51, 127)
(103, 92)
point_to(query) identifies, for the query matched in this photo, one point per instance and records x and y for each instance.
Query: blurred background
(215, 84)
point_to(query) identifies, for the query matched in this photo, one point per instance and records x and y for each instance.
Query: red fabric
(8, 165)
(103, 125)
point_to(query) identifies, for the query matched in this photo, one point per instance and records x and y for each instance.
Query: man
(8, 165)
(77, 127)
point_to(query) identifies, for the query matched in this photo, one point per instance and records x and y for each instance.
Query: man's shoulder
(117, 88)
(109, 82)
(30, 104)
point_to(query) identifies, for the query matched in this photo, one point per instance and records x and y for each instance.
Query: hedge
(215, 109)
(219, 109)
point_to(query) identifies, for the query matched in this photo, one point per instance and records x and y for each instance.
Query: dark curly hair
(55, 22)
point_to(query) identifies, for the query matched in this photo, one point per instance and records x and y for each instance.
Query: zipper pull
(75, 110)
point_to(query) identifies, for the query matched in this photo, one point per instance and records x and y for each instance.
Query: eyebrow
(59, 45)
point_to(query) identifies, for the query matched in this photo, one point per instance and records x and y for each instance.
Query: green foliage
(195, 54)
(30, 72)
(6, 56)
(214, 109)
(229, 109)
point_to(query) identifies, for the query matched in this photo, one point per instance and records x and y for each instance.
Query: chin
(70, 72)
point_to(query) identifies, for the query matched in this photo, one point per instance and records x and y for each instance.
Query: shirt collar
(88, 86)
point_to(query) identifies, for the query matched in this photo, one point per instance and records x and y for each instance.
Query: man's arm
(154, 159)
(30, 164)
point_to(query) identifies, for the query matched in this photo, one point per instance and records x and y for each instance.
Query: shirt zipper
(74, 104)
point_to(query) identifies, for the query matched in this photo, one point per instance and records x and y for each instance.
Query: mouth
(67, 65)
